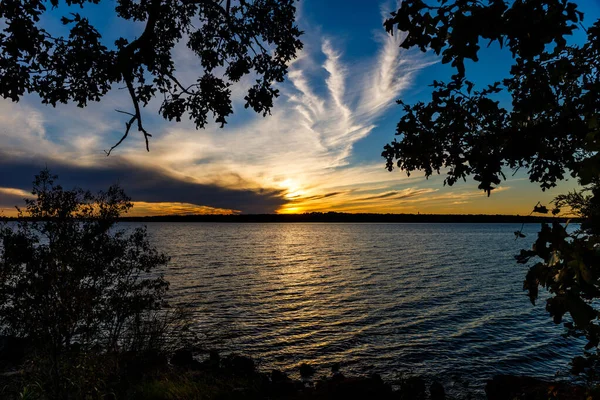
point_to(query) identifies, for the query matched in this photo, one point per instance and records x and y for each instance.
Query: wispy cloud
(305, 147)
(299, 158)
(142, 208)
(396, 69)
(11, 197)
(398, 195)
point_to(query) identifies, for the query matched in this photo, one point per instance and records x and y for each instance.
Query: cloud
(395, 70)
(301, 156)
(142, 208)
(304, 148)
(399, 195)
(142, 183)
(12, 192)
(320, 196)
(11, 197)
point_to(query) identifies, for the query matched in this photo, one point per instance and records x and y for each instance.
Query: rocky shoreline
(181, 376)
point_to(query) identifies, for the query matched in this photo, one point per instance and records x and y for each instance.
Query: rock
(335, 368)
(13, 350)
(136, 365)
(183, 358)
(507, 387)
(580, 364)
(214, 357)
(239, 365)
(213, 363)
(338, 377)
(353, 388)
(154, 361)
(278, 376)
(413, 388)
(436, 391)
(306, 371)
(281, 384)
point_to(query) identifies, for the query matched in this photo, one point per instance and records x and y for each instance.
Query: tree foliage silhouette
(230, 38)
(70, 279)
(551, 128)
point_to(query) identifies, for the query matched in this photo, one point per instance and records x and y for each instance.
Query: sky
(320, 150)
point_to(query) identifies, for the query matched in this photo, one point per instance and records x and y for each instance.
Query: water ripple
(436, 299)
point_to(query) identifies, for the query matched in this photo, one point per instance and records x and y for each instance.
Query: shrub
(72, 282)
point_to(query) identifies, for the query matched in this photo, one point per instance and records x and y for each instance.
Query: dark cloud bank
(140, 183)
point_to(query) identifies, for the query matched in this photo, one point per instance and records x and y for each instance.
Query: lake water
(440, 300)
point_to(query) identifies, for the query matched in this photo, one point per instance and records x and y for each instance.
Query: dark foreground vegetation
(159, 375)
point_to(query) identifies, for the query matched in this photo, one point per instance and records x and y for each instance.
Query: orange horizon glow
(300, 198)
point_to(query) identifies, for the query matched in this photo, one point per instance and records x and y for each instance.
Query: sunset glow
(318, 151)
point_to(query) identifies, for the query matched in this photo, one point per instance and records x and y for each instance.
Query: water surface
(441, 300)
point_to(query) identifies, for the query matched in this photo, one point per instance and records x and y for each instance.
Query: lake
(440, 300)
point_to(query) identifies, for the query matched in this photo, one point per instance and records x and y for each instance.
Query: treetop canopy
(230, 38)
(551, 128)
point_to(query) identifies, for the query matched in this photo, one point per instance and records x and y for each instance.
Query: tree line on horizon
(334, 216)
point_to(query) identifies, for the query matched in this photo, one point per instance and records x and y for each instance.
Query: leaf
(540, 209)
(585, 272)
(554, 258)
(532, 282)
(524, 256)
(581, 312)
(469, 86)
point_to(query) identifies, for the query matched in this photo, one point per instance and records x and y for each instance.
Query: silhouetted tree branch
(233, 39)
(551, 129)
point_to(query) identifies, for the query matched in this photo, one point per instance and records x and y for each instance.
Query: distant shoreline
(344, 217)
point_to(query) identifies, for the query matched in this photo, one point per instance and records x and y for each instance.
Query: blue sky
(319, 151)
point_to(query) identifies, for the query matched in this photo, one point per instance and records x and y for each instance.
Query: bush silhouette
(71, 282)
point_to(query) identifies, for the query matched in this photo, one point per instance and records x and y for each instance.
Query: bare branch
(211, 3)
(137, 116)
(183, 88)
(128, 126)
(124, 57)
(125, 112)
(265, 51)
